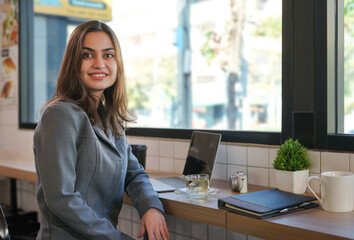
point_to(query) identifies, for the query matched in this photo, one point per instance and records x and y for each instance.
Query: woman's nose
(98, 63)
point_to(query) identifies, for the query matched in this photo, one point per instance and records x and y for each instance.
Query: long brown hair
(71, 88)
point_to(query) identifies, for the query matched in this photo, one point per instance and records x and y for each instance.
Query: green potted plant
(292, 166)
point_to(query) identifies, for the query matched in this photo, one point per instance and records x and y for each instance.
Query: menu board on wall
(9, 54)
(86, 9)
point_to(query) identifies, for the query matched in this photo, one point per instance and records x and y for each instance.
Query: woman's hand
(154, 223)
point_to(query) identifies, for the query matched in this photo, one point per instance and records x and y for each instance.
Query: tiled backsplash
(168, 155)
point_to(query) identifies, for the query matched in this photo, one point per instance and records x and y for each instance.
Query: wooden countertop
(14, 167)
(205, 210)
(310, 224)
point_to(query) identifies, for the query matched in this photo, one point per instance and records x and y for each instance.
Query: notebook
(267, 203)
(201, 157)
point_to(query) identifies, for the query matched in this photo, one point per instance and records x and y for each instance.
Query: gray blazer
(82, 174)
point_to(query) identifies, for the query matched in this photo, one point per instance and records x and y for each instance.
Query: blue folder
(267, 203)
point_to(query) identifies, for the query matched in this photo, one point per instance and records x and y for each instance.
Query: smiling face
(99, 64)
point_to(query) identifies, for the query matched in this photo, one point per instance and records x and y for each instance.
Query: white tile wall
(126, 212)
(181, 149)
(258, 176)
(9, 117)
(351, 164)
(182, 226)
(272, 156)
(217, 232)
(136, 140)
(272, 178)
(332, 161)
(166, 149)
(125, 226)
(236, 155)
(10, 139)
(181, 237)
(152, 147)
(27, 200)
(179, 166)
(222, 154)
(236, 236)
(170, 221)
(172, 235)
(315, 160)
(152, 163)
(219, 171)
(136, 230)
(199, 230)
(135, 215)
(167, 164)
(258, 157)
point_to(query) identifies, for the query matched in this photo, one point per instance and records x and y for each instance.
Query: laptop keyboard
(173, 181)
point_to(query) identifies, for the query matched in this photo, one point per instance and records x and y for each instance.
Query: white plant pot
(290, 181)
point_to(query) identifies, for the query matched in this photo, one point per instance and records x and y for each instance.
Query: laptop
(201, 157)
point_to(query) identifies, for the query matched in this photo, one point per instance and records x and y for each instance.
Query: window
(212, 64)
(341, 67)
(50, 38)
(207, 64)
(339, 90)
(348, 75)
(174, 58)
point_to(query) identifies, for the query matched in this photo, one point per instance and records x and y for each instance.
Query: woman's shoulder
(63, 106)
(63, 109)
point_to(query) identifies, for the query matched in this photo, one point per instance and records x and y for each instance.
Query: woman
(83, 160)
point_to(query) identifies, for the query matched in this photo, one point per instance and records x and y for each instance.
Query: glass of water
(197, 185)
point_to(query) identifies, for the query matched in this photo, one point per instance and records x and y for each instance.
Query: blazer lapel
(110, 140)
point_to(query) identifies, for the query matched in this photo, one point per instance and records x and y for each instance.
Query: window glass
(202, 64)
(348, 67)
(50, 35)
(212, 64)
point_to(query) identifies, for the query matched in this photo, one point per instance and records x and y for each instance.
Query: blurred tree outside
(349, 57)
(227, 49)
(230, 76)
(139, 83)
(151, 86)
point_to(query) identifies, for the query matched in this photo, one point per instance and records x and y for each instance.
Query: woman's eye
(109, 55)
(87, 55)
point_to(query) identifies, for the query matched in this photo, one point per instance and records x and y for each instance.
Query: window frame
(295, 102)
(26, 66)
(339, 141)
(325, 139)
(270, 138)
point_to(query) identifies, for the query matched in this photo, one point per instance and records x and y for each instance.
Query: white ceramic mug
(337, 191)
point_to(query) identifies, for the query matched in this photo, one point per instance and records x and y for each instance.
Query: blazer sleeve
(138, 186)
(55, 156)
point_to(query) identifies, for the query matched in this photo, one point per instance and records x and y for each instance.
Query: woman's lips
(98, 76)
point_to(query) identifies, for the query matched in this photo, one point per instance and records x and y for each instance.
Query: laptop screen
(202, 153)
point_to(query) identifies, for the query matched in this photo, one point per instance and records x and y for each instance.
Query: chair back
(4, 231)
